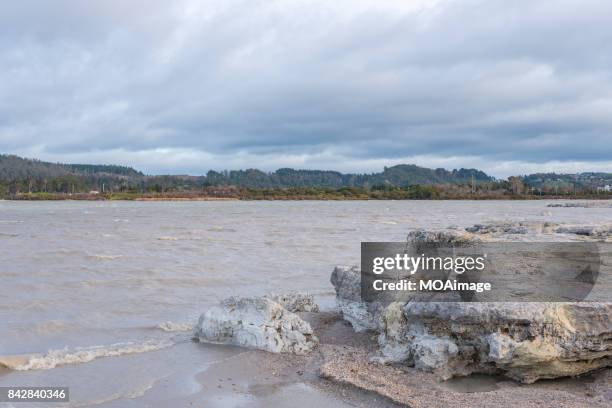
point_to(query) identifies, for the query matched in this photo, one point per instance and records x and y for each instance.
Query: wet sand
(340, 374)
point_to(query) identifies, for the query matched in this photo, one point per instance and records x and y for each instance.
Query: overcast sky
(186, 86)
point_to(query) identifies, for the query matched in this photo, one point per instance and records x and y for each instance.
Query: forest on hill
(21, 176)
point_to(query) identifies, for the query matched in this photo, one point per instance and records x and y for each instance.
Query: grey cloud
(308, 83)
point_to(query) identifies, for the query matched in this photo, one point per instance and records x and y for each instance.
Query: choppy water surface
(126, 280)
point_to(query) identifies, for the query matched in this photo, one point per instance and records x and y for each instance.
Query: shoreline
(122, 197)
(340, 369)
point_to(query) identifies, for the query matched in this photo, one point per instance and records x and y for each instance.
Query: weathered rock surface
(340, 367)
(594, 231)
(361, 315)
(411, 387)
(530, 231)
(524, 341)
(586, 204)
(296, 302)
(513, 228)
(256, 322)
(442, 237)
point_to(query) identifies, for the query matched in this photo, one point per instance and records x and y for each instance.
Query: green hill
(18, 175)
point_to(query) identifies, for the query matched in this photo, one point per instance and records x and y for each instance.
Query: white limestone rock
(548, 231)
(256, 322)
(523, 341)
(361, 315)
(585, 204)
(592, 231)
(507, 228)
(296, 302)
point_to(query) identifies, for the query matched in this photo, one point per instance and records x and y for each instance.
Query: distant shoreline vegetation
(415, 192)
(27, 179)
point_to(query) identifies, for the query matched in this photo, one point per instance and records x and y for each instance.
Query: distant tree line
(19, 176)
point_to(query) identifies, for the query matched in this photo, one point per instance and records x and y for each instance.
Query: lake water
(107, 292)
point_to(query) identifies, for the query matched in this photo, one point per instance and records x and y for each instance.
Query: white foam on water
(175, 327)
(78, 355)
(167, 238)
(105, 257)
(221, 229)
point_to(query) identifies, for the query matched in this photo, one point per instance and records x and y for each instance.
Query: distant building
(94, 192)
(607, 188)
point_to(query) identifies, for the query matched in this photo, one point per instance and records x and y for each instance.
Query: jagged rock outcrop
(512, 228)
(296, 302)
(347, 282)
(410, 387)
(256, 322)
(584, 204)
(550, 230)
(524, 341)
(361, 315)
(441, 238)
(593, 231)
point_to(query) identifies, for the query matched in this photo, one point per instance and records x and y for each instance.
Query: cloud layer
(186, 86)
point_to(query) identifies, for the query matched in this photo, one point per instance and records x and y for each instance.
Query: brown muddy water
(101, 296)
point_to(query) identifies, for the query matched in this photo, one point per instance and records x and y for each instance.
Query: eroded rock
(442, 238)
(256, 322)
(546, 230)
(408, 386)
(512, 228)
(594, 231)
(296, 302)
(585, 204)
(524, 341)
(361, 315)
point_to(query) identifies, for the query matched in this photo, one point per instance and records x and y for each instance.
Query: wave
(175, 327)
(182, 238)
(55, 358)
(221, 229)
(104, 257)
(168, 238)
(52, 326)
